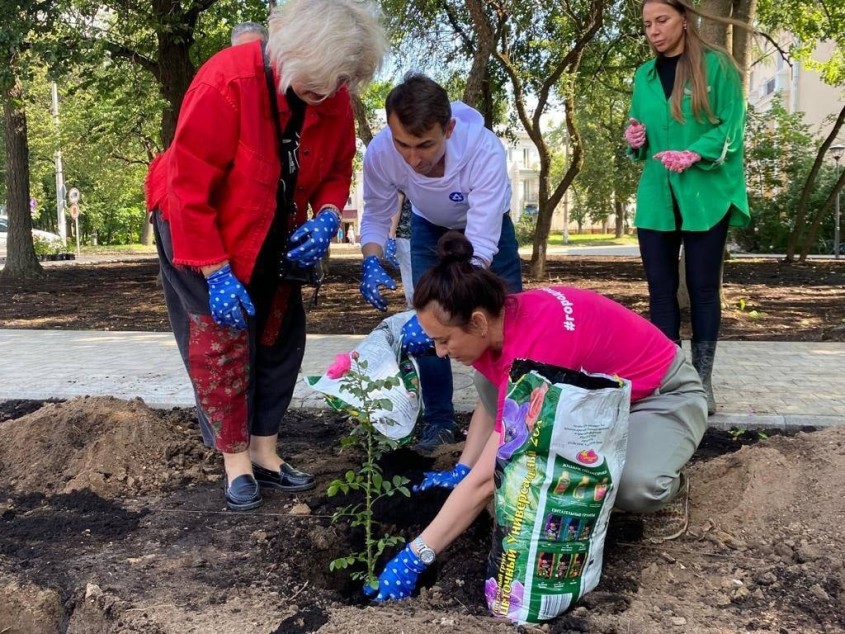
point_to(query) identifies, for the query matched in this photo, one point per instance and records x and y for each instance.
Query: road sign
(74, 211)
(73, 195)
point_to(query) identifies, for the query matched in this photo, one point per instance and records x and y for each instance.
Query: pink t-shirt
(579, 330)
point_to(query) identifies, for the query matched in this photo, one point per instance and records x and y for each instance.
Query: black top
(289, 145)
(666, 67)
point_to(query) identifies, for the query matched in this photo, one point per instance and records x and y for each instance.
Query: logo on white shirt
(456, 197)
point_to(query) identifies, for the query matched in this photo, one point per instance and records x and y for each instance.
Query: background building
(797, 88)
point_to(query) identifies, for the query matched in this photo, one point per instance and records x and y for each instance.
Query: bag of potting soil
(381, 349)
(565, 435)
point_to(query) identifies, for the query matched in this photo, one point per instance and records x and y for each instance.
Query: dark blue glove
(442, 479)
(226, 299)
(313, 238)
(414, 340)
(373, 276)
(390, 253)
(399, 577)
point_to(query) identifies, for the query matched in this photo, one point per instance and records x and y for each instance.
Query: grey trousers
(664, 430)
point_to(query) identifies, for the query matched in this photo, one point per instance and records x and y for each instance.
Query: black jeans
(660, 253)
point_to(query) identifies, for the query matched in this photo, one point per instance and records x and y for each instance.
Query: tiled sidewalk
(757, 384)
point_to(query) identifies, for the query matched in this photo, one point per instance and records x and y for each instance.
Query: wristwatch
(332, 210)
(424, 552)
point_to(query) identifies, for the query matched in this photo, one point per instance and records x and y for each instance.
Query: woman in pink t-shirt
(465, 311)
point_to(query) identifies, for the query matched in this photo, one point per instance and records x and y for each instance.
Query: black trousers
(243, 380)
(660, 253)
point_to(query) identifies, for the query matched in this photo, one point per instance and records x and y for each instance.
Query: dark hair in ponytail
(457, 285)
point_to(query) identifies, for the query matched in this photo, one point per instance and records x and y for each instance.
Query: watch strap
(422, 548)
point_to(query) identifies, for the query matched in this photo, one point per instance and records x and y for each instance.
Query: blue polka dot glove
(414, 340)
(442, 479)
(373, 276)
(399, 577)
(313, 238)
(390, 253)
(228, 299)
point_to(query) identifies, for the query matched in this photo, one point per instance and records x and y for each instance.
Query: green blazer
(707, 190)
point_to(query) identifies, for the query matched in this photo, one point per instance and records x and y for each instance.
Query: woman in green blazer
(687, 125)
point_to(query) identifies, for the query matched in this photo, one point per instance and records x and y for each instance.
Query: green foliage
(525, 229)
(780, 150)
(810, 23)
(107, 136)
(607, 174)
(43, 246)
(369, 479)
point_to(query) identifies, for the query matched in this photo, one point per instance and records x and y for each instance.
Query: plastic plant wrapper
(381, 349)
(565, 436)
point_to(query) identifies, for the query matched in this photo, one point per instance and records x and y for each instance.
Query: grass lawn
(121, 249)
(591, 239)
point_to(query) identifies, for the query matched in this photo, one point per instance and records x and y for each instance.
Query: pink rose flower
(535, 404)
(341, 365)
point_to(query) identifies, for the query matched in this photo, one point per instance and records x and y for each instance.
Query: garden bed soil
(763, 299)
(112, 520)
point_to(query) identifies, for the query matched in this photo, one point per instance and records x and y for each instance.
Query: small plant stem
(369, 524)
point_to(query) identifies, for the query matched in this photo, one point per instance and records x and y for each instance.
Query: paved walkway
(757, 384)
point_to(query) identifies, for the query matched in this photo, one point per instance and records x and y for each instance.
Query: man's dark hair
(419, 103)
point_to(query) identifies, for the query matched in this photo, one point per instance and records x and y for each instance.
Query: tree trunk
(474, 93)
(549, 199)
(175, 69)
(146, 230)
(714, 32)
(619, 209)
(821, 212)
(800, 226)
(736, 41)
(365, 132)
(20, 254)
(744, 11)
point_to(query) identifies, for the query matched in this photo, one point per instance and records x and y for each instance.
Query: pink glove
(677, 160)
(635, 134)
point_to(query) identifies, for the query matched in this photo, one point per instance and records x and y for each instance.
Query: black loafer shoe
(243, 494)
(285, 479)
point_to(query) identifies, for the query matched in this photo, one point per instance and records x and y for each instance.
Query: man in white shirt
(454, 171)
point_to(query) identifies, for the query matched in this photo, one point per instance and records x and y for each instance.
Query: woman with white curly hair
(264, 134)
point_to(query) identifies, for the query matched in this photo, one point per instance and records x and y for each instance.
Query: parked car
(53, 241)
(827, 247)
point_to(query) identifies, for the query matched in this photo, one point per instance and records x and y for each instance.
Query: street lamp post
(836, 151)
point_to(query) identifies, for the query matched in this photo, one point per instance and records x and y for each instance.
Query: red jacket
(216, 183)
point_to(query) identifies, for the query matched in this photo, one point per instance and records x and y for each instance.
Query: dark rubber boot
(703, 353)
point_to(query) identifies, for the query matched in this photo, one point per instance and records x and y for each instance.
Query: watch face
(426, 555)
